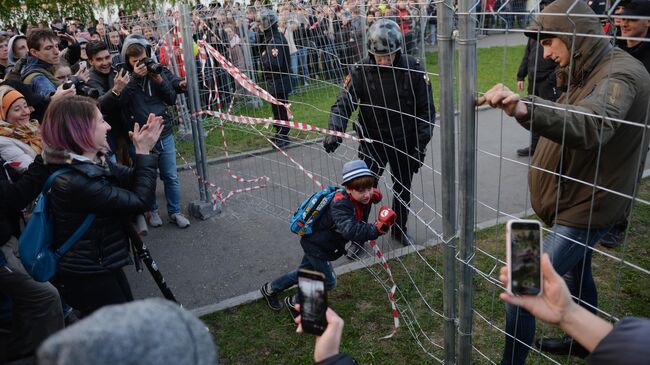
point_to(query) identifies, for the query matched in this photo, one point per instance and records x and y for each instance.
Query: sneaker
(562, 346)
(140, 225)
(180, 220)
(271, 297)
(289, 303)
(355, 251)
(613, 238)
(281, 140)
(525, 152)
(154, 218)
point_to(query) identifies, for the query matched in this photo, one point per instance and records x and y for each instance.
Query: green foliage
(33, 11)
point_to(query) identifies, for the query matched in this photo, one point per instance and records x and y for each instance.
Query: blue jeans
(302, 58)
(309, 262)
(166, 147)
(571, 260)
(294, 69)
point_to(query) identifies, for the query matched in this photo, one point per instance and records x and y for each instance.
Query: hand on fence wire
(331, 143)
(327, 344)
(385, 219)
(499, 96)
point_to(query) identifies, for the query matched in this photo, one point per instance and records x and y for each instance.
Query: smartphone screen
(524, 257)
(313, 301)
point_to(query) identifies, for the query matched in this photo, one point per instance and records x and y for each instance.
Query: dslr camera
(152, 66)
(81, 88)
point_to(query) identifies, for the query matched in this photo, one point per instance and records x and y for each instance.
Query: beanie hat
(147, 332)
(8, 99)
(354, 169)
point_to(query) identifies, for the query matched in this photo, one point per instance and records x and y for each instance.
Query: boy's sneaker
(271, 297)
(289, 303)
(154, 218)
(180, 220)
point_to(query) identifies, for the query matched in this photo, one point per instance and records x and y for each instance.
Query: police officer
(395, 99)
(275, 58)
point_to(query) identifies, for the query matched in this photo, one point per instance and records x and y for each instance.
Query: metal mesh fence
(585, 173)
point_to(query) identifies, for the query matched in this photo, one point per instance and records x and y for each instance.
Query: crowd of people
(94, 101)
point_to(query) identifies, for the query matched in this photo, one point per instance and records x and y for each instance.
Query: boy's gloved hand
(376, 196)
(385, 219)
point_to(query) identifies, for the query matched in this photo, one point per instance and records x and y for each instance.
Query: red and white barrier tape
(243, 79)
(243, 119)
(391, 294)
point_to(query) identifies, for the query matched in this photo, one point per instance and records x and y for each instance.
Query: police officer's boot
(399, 234)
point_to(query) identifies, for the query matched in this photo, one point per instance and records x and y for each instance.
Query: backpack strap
(76, 235)
(84, 225)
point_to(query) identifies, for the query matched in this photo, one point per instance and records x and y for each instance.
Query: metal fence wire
(471, 180)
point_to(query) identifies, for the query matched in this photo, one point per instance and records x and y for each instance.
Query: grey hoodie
(147, 332)
(10, 55)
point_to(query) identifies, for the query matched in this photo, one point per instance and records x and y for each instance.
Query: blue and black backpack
(303, 220)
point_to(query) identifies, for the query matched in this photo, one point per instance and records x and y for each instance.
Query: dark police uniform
(275, 58)
(397, 112)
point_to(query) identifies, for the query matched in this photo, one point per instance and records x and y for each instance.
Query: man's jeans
(310, 263)
(294, 70)
(166, 147)
(572, 260)
(302, 58)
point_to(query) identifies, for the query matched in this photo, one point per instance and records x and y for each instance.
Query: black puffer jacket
(340, 223)
(395, 103)
(112, 192)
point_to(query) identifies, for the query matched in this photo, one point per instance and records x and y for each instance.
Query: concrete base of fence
(202, 210)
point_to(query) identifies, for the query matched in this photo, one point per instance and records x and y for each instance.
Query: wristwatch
(116, 93)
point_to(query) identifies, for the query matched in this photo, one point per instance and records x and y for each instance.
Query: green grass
(253, 334)
(496, 64)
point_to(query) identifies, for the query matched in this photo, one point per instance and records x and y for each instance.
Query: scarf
(28, 134)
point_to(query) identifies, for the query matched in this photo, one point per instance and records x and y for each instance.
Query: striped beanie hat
(354, 169)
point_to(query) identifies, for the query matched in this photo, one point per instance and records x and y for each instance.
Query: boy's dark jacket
(340, 223)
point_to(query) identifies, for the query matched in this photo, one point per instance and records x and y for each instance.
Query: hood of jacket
(10, 55)
(575, 24)
(130, 40)
(155, 331)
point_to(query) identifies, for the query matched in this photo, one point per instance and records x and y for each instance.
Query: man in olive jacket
(584, 170)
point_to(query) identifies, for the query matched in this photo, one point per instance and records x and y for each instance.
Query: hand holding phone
(524, 250)
(313, 301)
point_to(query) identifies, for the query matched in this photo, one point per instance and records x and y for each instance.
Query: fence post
(362, 15)
(203, 208)
(448, 156)
(467, 173)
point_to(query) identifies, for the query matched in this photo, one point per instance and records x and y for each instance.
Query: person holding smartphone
(623, 344)
(326, 350)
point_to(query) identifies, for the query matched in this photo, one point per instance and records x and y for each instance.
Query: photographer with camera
(151, 89)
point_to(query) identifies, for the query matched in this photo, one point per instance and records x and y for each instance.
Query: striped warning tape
(391, 294)
(242, 78)
(243, 119)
